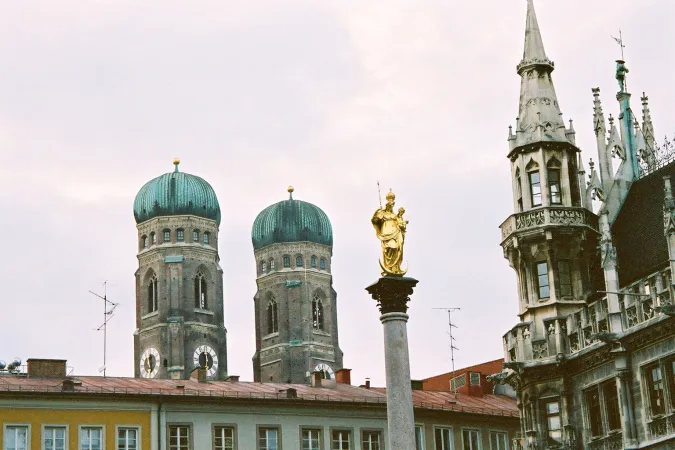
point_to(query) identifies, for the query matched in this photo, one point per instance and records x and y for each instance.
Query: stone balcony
(548, 217)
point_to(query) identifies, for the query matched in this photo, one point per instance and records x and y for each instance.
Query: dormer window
(535, 189)
(180, 235)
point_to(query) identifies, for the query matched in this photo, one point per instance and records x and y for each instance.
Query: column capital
(392, 293)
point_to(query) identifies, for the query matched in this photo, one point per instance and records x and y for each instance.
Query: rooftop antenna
(452, 346)
(107, 315)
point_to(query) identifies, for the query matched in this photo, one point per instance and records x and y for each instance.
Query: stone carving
(530, 219)
(539, 350)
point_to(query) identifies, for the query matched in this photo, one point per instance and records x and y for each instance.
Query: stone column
(623, 381)
(392, 295)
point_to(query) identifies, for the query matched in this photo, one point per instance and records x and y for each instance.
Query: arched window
(317, 312)
(167, 236)
(287, 261)
(272, 316)
(312, 261)
(322, 264)
(153, 238)
(263, 266)
(201, 300)
(144, 241)
(298, 261)
(180, 235)
(207, 235)
(195, 236)
(271, 264)
(152, 294)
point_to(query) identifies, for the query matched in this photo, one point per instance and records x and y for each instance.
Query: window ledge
(320, 332)
(149, 315)
(204, 311)
(271, 335)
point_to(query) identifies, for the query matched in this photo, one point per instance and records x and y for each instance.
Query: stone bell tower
(295, 304)
(179, 282)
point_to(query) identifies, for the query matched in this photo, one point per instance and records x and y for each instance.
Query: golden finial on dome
(290, 191)
(176, 161)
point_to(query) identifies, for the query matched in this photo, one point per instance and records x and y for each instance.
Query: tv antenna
(452, 346)
(107, 315)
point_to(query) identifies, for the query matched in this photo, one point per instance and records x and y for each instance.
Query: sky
(97, 98)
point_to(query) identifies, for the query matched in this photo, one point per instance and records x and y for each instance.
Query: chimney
(199, 373)
(367, 383)
(343, 376)
(46, 368)
(316, 379)
(232, 378)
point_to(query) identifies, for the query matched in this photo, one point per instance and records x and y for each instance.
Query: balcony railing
(549, 217)
(611, 442)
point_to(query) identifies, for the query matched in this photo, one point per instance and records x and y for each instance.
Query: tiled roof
(336, 392)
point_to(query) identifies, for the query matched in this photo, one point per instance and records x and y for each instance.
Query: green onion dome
(291, 221)
(176, 193)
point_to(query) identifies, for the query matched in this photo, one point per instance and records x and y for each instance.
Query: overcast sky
(97, 97)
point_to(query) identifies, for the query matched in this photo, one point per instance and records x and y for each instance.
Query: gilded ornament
(390, 228)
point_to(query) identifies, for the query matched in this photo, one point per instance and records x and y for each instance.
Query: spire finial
(534, 52)
(176, 161)
(290, 192)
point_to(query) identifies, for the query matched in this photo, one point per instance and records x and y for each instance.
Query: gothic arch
(554, 163)
(532, 165)
(202, 291)
(151, 289)
(318, 310)
(272, 310)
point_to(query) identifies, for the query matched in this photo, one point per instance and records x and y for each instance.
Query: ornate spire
(540, 119)
(647, 125)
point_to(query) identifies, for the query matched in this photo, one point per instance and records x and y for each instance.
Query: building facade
(295, 304)
(179, 282)
(52, 411)
(592, 358)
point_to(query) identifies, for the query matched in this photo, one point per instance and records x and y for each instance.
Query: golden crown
(390, 195)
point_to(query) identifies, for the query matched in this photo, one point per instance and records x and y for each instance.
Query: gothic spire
(647, 125)
(540, 119)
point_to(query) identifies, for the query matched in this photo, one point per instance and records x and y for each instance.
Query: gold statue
(390, 229)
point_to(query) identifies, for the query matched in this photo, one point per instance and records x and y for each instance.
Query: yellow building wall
(73, 418)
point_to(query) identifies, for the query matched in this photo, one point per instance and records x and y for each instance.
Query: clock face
(326, 370)
(206, 357)
(149, 363)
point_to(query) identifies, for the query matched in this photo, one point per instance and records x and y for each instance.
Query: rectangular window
(499, 441)
(322, 264)
(167, 236)
(474, 379)
(471, 439)
(223, 438)
(565, 276)
(535, 189)
(287, 261)
(419, 437)
(371, 440)
(180, 235)
(195, 236)
(611, 398)
(443, 438)
(311, 439)
(16, 437)
(341, 440)
(179, 437)
(127, 439)
(268, 439)
(206, 238)
(543, 281)
(553, 426)
(519, 194)
(594, 414)
(655, 385)
(154, 238)
(54, 438)
(554, 186)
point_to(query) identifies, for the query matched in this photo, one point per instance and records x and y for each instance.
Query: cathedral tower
(179, 283)
(295, 305)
